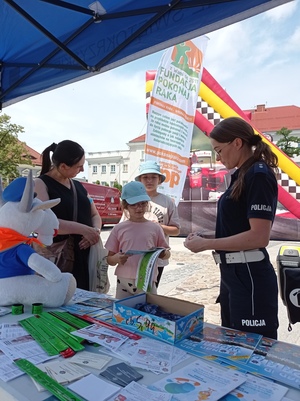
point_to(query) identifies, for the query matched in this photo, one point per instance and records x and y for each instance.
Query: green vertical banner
(172, 112)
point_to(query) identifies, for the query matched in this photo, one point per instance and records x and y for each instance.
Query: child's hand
(117, 258)
(165, 254)
(122, 258)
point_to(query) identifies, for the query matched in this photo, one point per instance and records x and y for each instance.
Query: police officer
(245, 214)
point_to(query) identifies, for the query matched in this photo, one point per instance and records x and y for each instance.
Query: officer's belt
(238, 257)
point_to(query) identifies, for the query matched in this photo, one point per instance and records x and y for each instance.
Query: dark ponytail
(68, 152)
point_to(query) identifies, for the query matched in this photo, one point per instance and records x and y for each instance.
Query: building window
(112, 184)
(124, 183)
(25, 172)
(95, 170)
(103, 169)
(103, 183)
(125, 168)
(113, 168)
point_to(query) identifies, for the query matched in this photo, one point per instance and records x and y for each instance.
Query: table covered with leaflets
(96, 348)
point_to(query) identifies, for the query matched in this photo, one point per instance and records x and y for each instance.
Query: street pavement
(195, 278)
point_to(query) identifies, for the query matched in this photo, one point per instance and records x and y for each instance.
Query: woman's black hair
(68, 152)
(235, 127)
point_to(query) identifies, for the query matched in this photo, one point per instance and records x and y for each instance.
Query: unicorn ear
(28, 195)
(46, 205)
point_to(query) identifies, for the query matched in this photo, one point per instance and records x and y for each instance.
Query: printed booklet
(220, 341)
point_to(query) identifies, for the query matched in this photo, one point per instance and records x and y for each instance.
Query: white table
(23, 389)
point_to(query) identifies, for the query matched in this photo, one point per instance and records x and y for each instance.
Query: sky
(257, 61)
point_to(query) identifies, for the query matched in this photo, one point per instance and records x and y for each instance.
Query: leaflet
(11, 330)
(257, 389)
(61, 371)
(200, 380)
(90, 360)
(133, 391)
(156, 357)
(98, 334)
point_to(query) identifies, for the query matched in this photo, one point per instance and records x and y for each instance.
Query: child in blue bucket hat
(162, 209)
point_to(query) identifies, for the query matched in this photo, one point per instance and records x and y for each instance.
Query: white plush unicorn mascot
(25, 276)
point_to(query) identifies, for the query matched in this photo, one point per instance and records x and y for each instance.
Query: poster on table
(172, 112)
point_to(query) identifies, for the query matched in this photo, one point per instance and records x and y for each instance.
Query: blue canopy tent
(45, 44)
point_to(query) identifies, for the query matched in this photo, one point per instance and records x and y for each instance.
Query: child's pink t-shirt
(130, 235)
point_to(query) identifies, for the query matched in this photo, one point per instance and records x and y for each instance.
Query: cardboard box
(125, 314)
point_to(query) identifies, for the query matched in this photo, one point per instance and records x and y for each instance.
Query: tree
(12, 151)
(287, 142)
(117, 185)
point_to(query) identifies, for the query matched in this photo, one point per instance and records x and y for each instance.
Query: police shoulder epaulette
(260, 167)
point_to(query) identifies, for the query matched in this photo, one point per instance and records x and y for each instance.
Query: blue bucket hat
(134, 192)
(150, 167)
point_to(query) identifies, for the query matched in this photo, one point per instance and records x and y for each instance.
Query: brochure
(136, 352)
(147, 268)
(277, 360)
(276, 371)
(257, 389)
(153, 356)
(220, 341)
(279, 351)
(9, 370)
(11, 330)
(81, 295)
(133, 391)
(61, 371)
(90, 359)
(79, 309)
(200, 380)
(98, 334)
(136, 252)
(102, 303)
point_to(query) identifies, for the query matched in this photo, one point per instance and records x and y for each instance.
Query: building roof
(36, 158)
(272, 119)
(141, 138)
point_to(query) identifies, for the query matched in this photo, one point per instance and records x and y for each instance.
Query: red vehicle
(202, 181)
(107, 201)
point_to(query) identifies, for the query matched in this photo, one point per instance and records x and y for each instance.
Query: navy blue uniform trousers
(249, 297)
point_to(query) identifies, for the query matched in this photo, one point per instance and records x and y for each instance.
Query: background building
(36, 161)
(122, 165)
(119, 165)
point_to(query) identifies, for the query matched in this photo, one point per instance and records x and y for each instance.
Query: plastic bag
(98, 267)
(60, 253)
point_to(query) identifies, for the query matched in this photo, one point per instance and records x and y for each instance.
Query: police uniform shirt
(258, 200)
